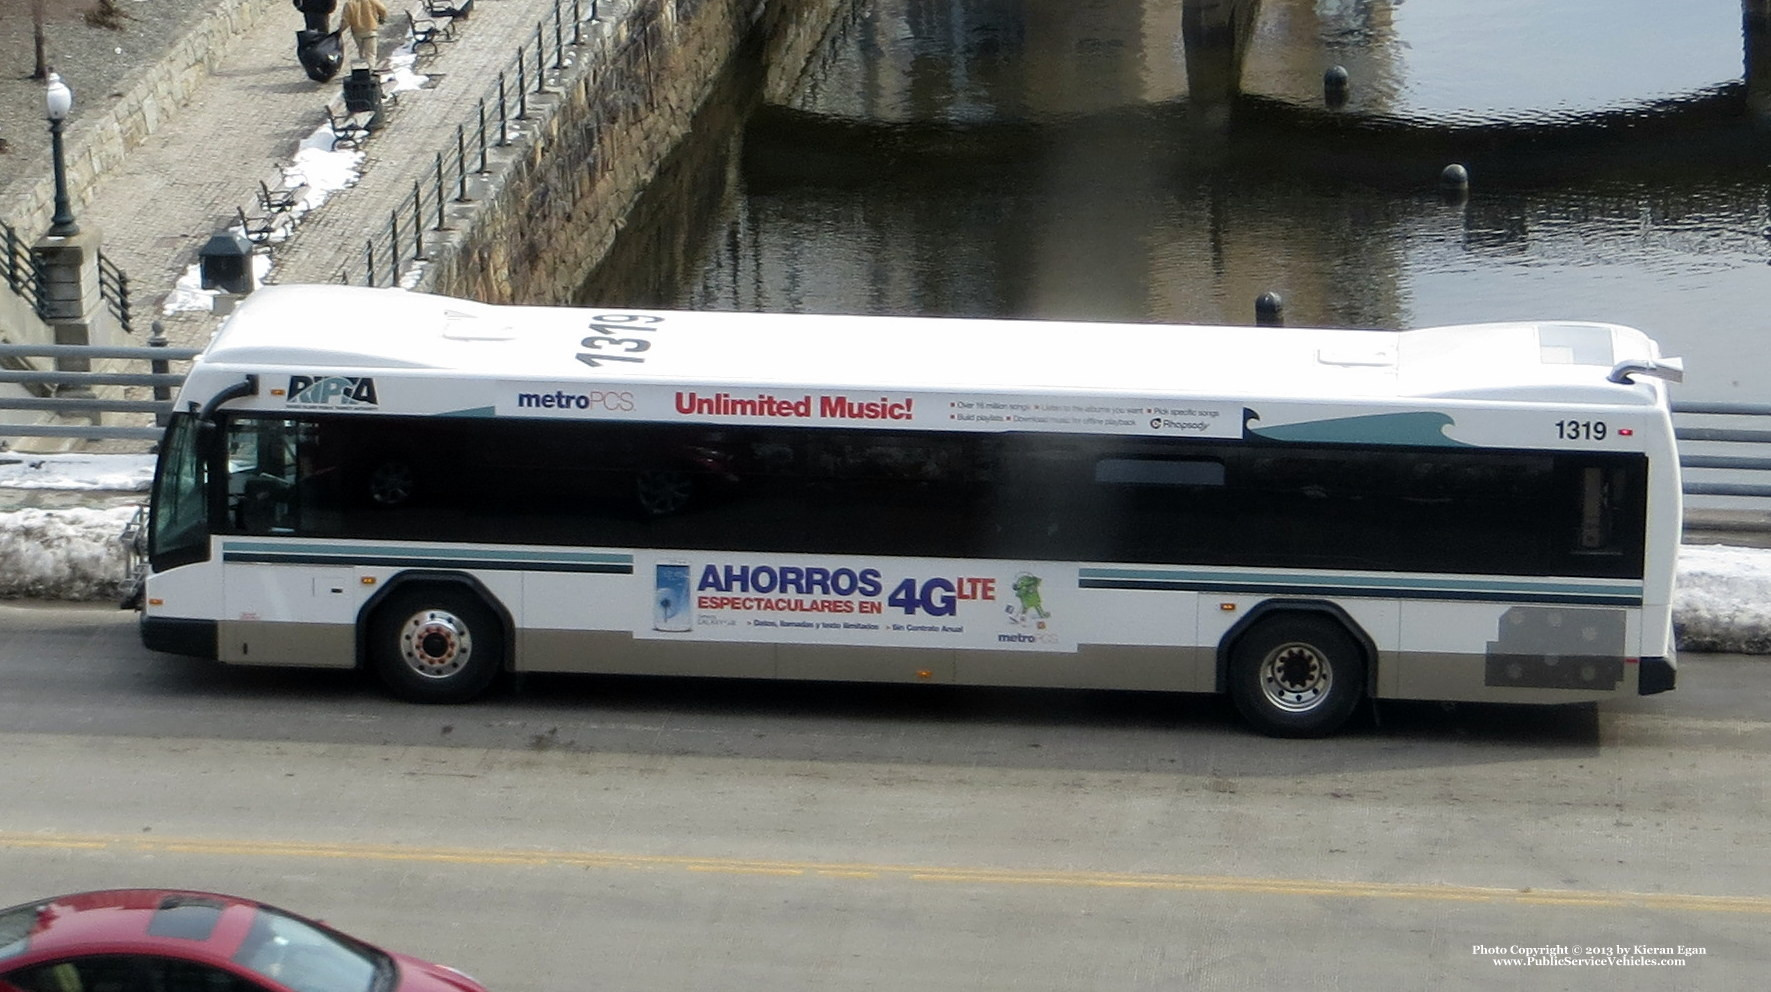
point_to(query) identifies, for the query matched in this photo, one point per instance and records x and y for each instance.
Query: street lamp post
(60, 100)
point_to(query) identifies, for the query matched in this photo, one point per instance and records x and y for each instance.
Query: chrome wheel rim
(435, 644)
(1296, 677)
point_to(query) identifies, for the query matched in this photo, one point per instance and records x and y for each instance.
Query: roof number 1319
(612, 346)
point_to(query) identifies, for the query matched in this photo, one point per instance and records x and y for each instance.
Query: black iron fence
(498, 118)
(24, 276)
(113, 289)
(18, 265)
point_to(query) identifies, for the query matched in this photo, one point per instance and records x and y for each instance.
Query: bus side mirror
(208, 441)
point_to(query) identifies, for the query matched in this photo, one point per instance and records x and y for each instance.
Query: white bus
(441, 490)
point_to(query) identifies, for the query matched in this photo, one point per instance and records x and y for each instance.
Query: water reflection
(1062, 158)
(968, 60)
(1511, 58)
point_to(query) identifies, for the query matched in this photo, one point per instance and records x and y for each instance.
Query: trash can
(362, 95)
(225, 263)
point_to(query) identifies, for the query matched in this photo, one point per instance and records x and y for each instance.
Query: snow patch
(74, 553)
(188, 292)
(401, 73)
(1722, 601)
(324, 169)
(113, 473)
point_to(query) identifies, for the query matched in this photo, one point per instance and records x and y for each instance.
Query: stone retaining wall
(557, 198)
(98, 143)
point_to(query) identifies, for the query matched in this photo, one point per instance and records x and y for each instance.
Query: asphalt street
(574, 833)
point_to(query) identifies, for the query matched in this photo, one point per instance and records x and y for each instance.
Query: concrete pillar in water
(1755, 40)
(1215, 36)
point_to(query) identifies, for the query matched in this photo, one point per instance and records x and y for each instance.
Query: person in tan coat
(364, 19)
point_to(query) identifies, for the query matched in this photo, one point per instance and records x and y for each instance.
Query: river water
(1079, 158)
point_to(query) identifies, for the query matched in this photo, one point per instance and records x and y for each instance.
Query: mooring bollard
(1269, 310)
(1454, 183)
(1334, 85)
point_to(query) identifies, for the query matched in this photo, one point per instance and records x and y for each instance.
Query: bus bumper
(176, 635)
(1655, 675)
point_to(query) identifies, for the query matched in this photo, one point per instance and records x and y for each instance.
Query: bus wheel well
(435, 636)
(1296, 668)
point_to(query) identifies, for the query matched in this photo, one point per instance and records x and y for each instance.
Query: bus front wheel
(1297, 675)
(436, 644)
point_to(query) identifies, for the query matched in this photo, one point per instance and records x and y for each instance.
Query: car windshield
(15, 929)
(306, 958)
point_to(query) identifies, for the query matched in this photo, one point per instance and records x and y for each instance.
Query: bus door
(286, 601)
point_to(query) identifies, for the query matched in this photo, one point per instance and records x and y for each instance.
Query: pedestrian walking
(364, 19)
(317, 14)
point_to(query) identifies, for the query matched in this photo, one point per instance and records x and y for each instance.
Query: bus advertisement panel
(890, 602)
(933, 411)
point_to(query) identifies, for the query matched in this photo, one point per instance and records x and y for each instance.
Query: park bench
(346, 129)
(280, 199)
(261, 230)
(452, 9)
(426, 32)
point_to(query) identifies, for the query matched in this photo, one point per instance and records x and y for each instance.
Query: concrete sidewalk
(245, 119)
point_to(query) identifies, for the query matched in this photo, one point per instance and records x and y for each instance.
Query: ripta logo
(331, 390)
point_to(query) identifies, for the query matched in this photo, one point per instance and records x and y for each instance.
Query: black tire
(436, 643)
(1297, 675)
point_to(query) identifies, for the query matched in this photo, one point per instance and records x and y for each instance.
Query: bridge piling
(1755, 38)
(1215, 36)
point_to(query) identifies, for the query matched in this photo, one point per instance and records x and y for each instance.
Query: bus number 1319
(1581, 430)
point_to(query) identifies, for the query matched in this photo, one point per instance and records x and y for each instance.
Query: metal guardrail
(70, 392)
(1731, 433)
(387, 255)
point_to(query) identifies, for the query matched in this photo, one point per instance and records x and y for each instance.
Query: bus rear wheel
(1297, 675)
(436, 644)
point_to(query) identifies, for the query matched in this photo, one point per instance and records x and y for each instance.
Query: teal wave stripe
(1424, 428)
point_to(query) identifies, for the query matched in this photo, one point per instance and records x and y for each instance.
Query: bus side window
(1602, 491)
(273, 471)
(256, 474)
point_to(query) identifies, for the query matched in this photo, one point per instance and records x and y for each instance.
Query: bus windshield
(179, 533)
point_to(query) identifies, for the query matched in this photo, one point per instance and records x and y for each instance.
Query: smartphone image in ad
(670, 604)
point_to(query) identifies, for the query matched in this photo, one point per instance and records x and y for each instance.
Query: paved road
(660, 834)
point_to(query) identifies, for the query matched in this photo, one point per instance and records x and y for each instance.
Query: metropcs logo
(331, 390)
